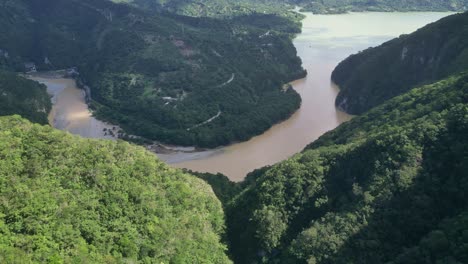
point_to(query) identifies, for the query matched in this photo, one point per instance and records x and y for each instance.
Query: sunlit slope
(389, 186)
(65, 199)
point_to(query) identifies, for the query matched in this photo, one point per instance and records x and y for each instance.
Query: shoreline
(70, 112)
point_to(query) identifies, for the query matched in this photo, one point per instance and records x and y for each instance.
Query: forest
(160, 75)
(65, 199)
(387, 187)
(375, 75)
(24, 97)
(226, 8)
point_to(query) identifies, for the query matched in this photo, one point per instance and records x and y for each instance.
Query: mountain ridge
(377, 74)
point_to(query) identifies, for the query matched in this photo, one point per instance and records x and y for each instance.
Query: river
(324, 42)
(69, 109)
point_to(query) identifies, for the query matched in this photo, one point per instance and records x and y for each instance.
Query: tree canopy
(65, 199)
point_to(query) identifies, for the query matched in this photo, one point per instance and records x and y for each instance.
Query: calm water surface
(70, 111)
(325, 41)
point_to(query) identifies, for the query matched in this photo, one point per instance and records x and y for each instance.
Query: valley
(325, 41)
(241, 101)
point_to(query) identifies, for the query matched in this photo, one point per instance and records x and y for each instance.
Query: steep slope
(23, 97)
(375, 75)
(161, 75)
(65, 199)
(389, 186)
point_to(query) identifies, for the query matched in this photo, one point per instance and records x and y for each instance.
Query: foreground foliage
(390, 186)
(64, 199)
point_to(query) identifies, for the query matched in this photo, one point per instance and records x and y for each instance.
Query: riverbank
(69, 109)
(324, 42)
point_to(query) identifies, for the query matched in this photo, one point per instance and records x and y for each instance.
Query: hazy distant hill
(342, 6)
(236, 7)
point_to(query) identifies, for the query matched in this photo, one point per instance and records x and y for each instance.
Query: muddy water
(69, 110)
(325, 41)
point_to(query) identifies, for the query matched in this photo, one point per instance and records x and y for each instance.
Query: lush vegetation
(390, 186)
(343, 6)
(213, 8)
(375, 75)
(24, 97)
(161, 76)
(223, 8)
(223, 188)
(64, 199)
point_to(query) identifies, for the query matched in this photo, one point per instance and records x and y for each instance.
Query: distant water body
(324, 42)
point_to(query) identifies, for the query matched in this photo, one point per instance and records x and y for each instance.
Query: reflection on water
(70, 112)
(325, 41)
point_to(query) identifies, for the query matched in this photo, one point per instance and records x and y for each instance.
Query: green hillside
(390, 186)
(65, 199)
(375, 75)
(161, 75)
(226, 8)
(213, 8)
(23, 97)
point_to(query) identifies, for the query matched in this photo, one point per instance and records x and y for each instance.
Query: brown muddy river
(325, 41)
(69, 111)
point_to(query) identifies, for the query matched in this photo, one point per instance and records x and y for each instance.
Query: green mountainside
(375, 75)
(161, 76)
(389, 186)
(223, 8)
(65, 199)
(213, 8)
(23, 97)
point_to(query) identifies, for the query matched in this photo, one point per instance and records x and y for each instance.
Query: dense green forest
(23, 97)
(214, 8)
(390, 186)
(160, 75)
(375, 75)
(65, 199)
(226, 8)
